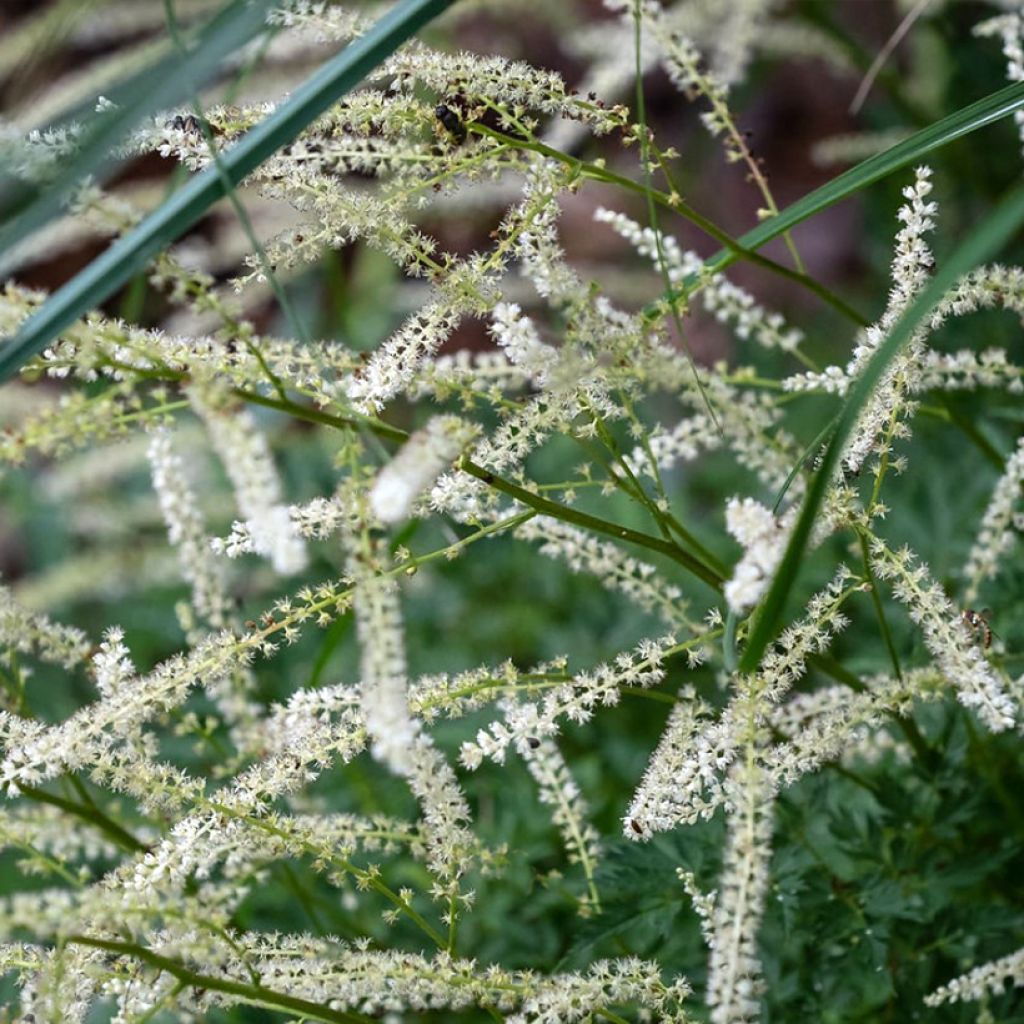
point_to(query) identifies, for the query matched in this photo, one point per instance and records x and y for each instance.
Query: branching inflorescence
(142, 906)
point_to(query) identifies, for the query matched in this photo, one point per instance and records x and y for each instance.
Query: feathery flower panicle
(988, 979)
(1000, 526)
(394, 365)
(956, 652)
(560, 792)
(186, 531)
(245, 454)
(167, 853)
(725, 301)
(28, 633)
(112, 663)
(392, 729)
(517, 336)
(682, 782)
(735, 981)
(834, 723)
(575, 700)
(397, 737)
(911, 266)
(686, 779)
(417, 465)
(703, 904)
(680, 443)
(764, 539)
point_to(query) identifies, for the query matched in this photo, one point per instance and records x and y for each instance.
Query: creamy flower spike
(419, 463)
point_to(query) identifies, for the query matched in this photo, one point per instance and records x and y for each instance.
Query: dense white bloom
(417, 465)
(999, 526)
(764, 539)
(682, 782)
(397, 738)
(575, 700)
(735, 983)
(956, 652)
(112, 663)
(394, 365)
(686, 778)
(988, 979)
(727, 302)
(392, 729)
(244, 451)
(186, 531)
(570, 364)
(911, 266)
(517, 335)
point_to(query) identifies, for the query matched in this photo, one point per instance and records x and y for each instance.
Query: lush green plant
(350, 673)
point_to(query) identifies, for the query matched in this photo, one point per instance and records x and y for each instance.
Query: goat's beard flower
(764, 539)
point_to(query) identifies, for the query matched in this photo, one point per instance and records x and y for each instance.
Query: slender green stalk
(675, 204)
(964, 121)
(589, 522)
(876, 601)
(93, 815)
(254, 995)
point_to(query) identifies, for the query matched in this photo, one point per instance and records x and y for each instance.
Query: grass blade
(964, 121)
(101, 278)
(162, 85)
(982, 244)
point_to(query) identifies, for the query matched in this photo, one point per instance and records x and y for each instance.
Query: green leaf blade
(127, 256)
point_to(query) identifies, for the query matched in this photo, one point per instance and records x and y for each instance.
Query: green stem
(589, 522)
(93, 815)
(876, 600)
(597, 173)
(256, 995)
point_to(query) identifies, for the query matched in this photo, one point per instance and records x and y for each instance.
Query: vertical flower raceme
(956, 652)
(185, 530)
(384, 678)
(244, 451)
(560, 792)
(417, 465)
(397, 738)
(112, 664)
(735, 982)
(999, 526)
(763, 538)
(394, 365)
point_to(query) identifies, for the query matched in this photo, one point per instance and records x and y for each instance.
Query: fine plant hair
(301, 798)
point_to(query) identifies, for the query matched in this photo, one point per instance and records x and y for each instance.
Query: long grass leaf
(964, 121)
(980, 245)
(104, 275)
(25, 208)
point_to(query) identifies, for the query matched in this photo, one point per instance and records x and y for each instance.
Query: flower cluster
(159, 789)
